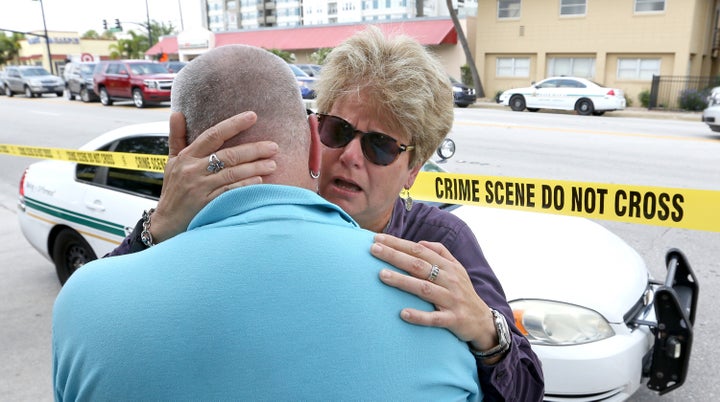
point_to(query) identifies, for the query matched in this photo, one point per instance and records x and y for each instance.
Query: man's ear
(413, 175)
(315, 160)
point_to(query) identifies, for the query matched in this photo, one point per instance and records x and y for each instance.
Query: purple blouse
(518, 376)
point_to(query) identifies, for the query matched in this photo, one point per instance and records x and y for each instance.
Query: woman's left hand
(457, 306)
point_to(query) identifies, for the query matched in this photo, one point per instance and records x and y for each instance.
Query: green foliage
(10, 47)
(644, 97)
(159, 29)
(319, 56)
(693, 100)
(628, 101)
(91, 34)
(133, 48)
(285, 55)
(497, 95)
(466, 75)
(108, 35)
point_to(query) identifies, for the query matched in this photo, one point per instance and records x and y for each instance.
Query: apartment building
(230, 15)
(618, 43)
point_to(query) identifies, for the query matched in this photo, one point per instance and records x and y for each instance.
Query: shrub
(466, 75)
(693, 100)
(628, 101)
(497, 95)
(644, 97)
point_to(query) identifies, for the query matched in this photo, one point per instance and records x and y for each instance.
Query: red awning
(427, 32)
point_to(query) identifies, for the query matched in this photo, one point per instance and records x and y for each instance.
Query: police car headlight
(546, 322)
(151, 84)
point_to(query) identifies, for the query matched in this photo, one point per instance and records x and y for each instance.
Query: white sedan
(711, 117)
(565, 93)
(583, 297)
(711, 114)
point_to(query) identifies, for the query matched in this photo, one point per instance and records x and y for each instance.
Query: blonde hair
(405, 84)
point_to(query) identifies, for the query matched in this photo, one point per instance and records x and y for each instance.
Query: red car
(144, 82)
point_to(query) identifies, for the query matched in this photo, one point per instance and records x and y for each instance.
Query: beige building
(617, 43)
(64, 46)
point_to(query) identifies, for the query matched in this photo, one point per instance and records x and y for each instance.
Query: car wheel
(533, 109)
(8, 92)
(68, 94)
(29, 93)
(70, 252)
(138, 99)
(461, 105)
(584, 107)
(105, 97)
(517, 103)
(596, 113)
(84, 95)
(714, 128)
(60, 94)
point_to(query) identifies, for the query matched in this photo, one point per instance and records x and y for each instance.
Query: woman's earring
(314, 175)
(408, 199)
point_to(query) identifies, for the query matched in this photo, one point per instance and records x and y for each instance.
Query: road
(610, 149)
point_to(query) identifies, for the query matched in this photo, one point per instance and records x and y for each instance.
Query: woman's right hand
(188, 185)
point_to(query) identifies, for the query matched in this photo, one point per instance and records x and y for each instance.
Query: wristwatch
(503, 334)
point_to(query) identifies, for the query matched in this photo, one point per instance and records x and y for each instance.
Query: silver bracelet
(145, 235)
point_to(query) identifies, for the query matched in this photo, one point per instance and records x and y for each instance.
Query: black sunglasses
(378, 148)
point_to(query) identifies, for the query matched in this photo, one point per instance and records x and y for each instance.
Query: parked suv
(142, 81)
(79, 81)
(3, 74)
(32, 81)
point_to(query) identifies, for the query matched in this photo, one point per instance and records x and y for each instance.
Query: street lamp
(147, 13)
(47, 39)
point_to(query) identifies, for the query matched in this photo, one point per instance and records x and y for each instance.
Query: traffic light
(117, 24)
(105, 25)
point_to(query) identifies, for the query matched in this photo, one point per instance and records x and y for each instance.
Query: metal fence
(680, 92)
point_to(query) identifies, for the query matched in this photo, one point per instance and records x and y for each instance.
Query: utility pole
(147, 13)
(47, 38)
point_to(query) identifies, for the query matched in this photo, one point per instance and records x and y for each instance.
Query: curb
(628, 112)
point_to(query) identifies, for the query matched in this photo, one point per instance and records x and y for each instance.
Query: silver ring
(215, 164)
(434, 271)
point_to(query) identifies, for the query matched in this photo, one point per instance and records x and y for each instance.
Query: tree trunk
(466, 48)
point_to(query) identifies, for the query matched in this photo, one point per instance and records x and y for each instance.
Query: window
(638, 69)
(574, 66)
(573, 7)
(642, 6)
(509, 8)
(132, 181)
(512, 67)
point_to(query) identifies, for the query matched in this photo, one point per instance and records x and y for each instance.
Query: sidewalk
(638, 112)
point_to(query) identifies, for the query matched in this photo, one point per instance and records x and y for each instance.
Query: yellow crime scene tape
(659, 206)
(124, 160)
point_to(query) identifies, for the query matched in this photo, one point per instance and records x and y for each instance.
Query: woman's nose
(352, 153)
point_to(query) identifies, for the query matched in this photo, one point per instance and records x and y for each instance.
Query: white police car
(565, 93)
(582, 296)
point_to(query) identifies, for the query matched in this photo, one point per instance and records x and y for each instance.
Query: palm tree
(10, 47)
(466, 48)
(133, 48)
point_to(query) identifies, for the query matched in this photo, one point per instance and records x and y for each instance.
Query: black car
(79, 81)
(464, 95)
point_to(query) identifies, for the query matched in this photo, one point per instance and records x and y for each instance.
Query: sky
(83, 15)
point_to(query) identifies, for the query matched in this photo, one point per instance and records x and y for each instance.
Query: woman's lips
(346, 185)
